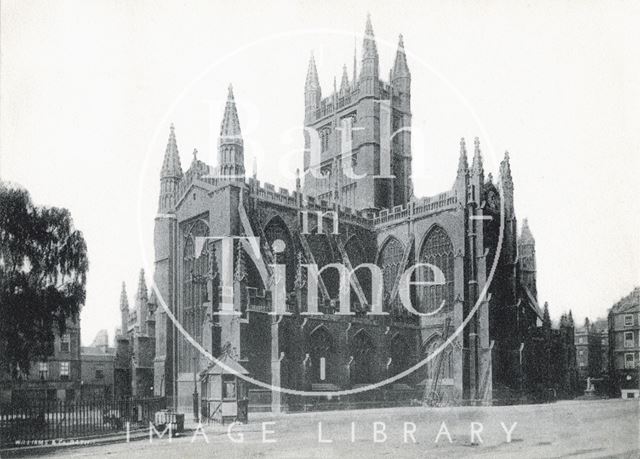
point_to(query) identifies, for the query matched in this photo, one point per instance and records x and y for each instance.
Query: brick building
(58, 377)
(98, 368)
(624, 345)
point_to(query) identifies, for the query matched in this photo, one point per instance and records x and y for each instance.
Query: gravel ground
(599, 428)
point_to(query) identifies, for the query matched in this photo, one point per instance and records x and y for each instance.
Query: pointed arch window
(363, 353)
(389, 261)
(194, 291)
(437, 250)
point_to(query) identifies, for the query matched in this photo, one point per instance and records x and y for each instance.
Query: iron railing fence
(46, 420)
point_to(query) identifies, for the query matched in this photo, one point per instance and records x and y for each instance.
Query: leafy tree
(43, 267)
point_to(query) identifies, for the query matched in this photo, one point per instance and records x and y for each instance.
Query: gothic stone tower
(164, 240)
(374, 170)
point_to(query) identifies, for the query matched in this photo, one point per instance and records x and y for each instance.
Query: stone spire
(369, 80)
(312, 82)
(570, 322)
(476, 166)
(526, 237)
(141, 302)
(400, 67)
(230, 144)
(463, 165)
(505, 172)
(312, 91)
(355, 61)
(124, 301)
(171, 165)
(344, 84)
(369, 48)
(124, 311)
(170, 175)
(142, 286)
(230, 127)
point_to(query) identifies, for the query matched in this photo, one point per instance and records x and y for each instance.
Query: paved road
(603, 428)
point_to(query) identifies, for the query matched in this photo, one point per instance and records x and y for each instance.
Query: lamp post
(195, 391)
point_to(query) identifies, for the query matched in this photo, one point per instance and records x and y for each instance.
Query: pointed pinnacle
(505, 168)
(463, 165)
(312, 81)
(142, 285)
(369, 49)
(526, 235)
(124, 301)
(230, 127)
(171, 166)
(477, 156)
(400, 67)
(344, 84)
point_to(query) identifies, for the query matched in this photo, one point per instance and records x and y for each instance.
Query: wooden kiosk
(224, 392)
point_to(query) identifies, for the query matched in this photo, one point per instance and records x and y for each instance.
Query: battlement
(338, 100)
(422, 206)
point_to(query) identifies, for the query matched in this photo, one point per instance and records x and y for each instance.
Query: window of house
(581, 340)
(581, 353)
(629, 360)
(628, 320)
(65, 343)
(43, 370)
(99, 373)
(628, 339)
(64, 370)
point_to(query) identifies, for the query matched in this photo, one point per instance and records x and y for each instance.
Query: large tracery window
(358, 256)
(437, 250)
(195, 270)
(389, 261)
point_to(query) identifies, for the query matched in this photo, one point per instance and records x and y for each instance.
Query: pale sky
(88, 90)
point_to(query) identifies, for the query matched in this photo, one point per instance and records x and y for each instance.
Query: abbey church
(353, 205)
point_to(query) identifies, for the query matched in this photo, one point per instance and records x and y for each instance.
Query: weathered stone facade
(136, 344)
(379, 222)
(624, 346)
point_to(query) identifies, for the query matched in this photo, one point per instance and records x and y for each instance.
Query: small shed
(224, 392)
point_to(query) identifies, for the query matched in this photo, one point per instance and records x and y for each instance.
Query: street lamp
(195, 391)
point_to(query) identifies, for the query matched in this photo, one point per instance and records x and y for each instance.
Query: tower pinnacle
(369, 53)
(171, 164)
(230, 144)
(526, 237)
(344, 84)
(477, 157)
(124, 302)
(463, 165)
(142, 286)
(400, 67)
(312, 81)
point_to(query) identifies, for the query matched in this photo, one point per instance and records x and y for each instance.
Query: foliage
(43, 267)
